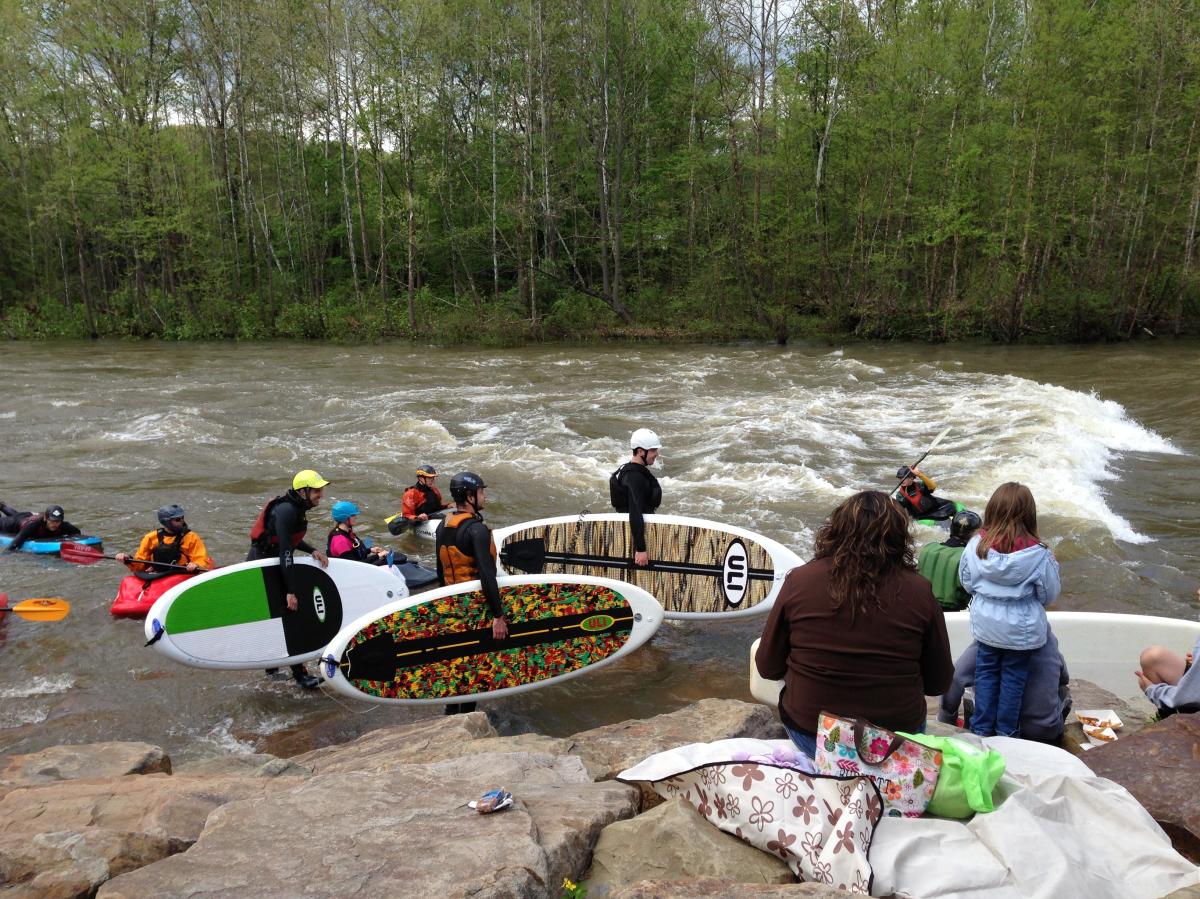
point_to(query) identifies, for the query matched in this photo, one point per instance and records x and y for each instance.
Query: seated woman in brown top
(856, 631)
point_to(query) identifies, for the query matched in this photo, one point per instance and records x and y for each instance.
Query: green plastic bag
(968, 776)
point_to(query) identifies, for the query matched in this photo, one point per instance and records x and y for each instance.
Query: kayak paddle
(40, 609)
(83, 554)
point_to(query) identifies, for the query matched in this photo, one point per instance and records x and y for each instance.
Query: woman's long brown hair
(867, 539)
(1010, 515)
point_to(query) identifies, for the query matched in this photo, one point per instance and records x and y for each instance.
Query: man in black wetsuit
(279, 530)
(50, 525)
(634, 489)
(466, 552)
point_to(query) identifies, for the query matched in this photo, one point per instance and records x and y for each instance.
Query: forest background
(501, 170)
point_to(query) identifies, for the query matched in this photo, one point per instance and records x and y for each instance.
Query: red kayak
(137, 595)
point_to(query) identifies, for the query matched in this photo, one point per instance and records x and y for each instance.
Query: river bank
(385, 815)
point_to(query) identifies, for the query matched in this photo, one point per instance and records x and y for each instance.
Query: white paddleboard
(236, 617)
(438, 647)
(1101, 647)
(699, 569)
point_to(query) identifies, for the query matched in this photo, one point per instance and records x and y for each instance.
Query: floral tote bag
(821, 826)
(905, 771)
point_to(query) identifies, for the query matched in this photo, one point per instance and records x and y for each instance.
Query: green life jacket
(938, 564)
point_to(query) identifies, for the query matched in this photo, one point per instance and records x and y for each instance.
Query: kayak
(136, 594)
(428, 529)
(941, 522)
(48, 547)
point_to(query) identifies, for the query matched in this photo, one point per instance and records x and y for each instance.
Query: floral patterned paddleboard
(438, 647)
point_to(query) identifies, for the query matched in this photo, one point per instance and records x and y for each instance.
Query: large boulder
(243, 764)
(674, 841)
(84, 761)
(610, 749)
(406, 831)
(388, 747)
(65, 839)
(1160, 766)
(711, 888)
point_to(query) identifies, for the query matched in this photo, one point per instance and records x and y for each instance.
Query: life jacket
(616, 487)
(168, 553)
(919, 499)
(433, 503)
(358, 550)
(262, 533)
(458, 566)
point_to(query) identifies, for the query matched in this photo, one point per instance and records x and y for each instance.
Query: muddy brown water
(763, 437)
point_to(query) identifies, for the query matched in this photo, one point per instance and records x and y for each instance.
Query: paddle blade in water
(80, 553)
(41, 609)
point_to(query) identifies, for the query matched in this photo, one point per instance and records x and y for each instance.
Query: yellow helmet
(307, 478)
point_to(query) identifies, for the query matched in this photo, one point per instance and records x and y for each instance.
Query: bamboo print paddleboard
(438, 647)
(699, 569)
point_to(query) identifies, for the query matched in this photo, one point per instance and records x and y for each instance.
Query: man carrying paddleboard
(279, 530)
(174, 543)
(634, 489)
(50, 525)
(465, 552)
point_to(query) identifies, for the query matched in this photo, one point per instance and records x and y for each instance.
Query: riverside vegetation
(512, 169)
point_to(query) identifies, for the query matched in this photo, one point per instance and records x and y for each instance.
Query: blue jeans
(1000, 676)
(806, 741)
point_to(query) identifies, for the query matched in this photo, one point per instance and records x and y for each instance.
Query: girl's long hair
(1010, 515)
(867, 539)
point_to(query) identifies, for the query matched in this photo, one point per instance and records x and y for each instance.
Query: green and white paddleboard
(237, 617)
(438, 647)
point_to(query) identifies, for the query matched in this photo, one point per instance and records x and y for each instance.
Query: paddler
(344, 543)
(174, 543)
(279, 530)
(915, 493)
(420, 502)
(49, 525)
(938, 562)
(634, 489)
(466, 552)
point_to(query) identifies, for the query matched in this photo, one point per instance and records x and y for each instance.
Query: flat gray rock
(388, 747)
(85, 761)
(404, 832)
(674, 841)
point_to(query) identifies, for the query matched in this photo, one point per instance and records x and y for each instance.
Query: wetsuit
(421, 499)
(28, 526)
(280, 528)
(633, 488)
(465, 552)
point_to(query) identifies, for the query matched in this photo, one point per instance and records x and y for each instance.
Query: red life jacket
(262, 532)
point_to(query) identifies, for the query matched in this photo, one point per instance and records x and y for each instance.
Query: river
(759, 436)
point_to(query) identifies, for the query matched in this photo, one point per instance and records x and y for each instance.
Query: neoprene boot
(304, 679)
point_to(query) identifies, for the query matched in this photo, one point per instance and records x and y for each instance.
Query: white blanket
(1058, 831)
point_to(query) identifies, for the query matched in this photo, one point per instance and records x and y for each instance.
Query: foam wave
(39, 686)
(22, 717)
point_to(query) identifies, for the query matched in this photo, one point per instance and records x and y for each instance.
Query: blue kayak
(48, 547)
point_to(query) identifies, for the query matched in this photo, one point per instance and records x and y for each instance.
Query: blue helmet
(342, 510)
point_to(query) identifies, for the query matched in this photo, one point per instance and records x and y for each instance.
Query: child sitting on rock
(1170, 682)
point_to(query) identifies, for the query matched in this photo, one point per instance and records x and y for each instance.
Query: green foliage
(598, 169)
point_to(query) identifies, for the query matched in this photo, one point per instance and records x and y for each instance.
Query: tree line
(507, 169)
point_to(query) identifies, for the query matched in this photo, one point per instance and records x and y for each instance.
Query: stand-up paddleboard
(1101, 647)
(48, 546)
(438, 647)
(237, 617)
(699, 569)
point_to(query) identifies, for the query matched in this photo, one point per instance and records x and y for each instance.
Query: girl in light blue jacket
(1013, 576)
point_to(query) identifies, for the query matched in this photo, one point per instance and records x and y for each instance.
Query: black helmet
(166, 513)
(54, 513)
(426, 471)
(964, 524)
(463, 483)
(903, 472)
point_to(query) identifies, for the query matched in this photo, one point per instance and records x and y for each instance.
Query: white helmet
(644, 438)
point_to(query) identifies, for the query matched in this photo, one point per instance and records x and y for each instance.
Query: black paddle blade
(527, 555)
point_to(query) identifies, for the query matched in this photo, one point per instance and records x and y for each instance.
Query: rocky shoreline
(386, 814)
